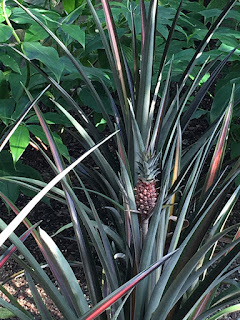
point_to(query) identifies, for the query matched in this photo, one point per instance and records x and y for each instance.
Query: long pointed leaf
(38, 300)
(89, 267)
(143, 105)
(118, 58)
(221, 145)
(18, 219)
(39, 275)
(117, 294)
(7, 254)
(63, 274)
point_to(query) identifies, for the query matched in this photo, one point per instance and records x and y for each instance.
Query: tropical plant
(168, 213)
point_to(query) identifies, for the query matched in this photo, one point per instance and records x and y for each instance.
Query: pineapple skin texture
(145, 196)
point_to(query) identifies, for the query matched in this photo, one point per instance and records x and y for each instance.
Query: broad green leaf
(8, 189)
(4, 92)
(69, 5)
(165, 15)
(49, 17)
(5, 32)
(5, 313)
(75, 32)
(17, 88)
(137, 19)
(51, 118)
(221, 99)
(193, 6)
(217, 4)
(234, 14)
(224, 31)
(73, 16)
(89, 100)
(9, 62)
(76, 64)
(8, 12)
(235, 149)
(19, 142)
(210, 13)
(61, 147)
(198, 113)
(224, 47)
(20, 17)
(35, 33)
(7, 168)
(6, 110)
(163, 31)
(47, 55)
(38, 132)
(186, 54)
(91, 72)
(27, 171)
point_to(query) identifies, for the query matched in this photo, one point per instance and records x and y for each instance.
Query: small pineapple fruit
(145, 190)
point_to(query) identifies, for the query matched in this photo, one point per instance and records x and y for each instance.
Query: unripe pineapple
(145, 190)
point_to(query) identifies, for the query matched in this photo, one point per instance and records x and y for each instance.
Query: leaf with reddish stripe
(221, 145)
(143, 20)
(16, 211)
(7, 254)
(116, 50)
(121, 291)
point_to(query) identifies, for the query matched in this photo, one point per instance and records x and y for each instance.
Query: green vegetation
(143, 68)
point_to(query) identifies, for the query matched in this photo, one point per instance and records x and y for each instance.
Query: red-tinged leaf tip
(9, 203)
(219, 151)
(214, 169)
(13, 248)
(237, 234)
(16, 211)
(114, 299)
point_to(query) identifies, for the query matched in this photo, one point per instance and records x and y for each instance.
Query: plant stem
(145, 223)
(9, 23)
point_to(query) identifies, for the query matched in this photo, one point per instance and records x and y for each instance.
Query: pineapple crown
(147, 166)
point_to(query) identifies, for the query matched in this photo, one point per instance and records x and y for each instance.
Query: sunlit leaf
(18, 142)
(75, 32)
(5, 32)
(47, 55)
